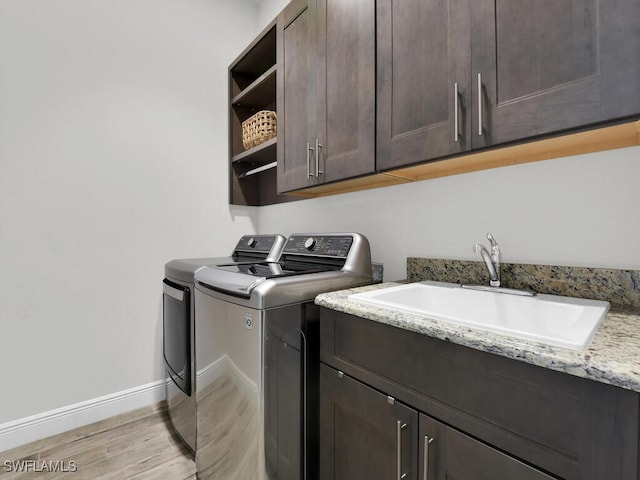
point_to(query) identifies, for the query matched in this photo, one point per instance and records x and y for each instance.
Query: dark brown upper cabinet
(296, 92)
(549, 66)
(456, 75)
(423, 60)
(363, 87)
(325, 92)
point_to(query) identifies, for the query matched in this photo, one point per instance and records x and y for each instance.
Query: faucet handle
(477, 247)
(494, 244)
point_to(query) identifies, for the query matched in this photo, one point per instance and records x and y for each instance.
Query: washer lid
(275, 269)
(242, 278)
(234, 283)
(250, 248)
(310, 264)
(185, 269)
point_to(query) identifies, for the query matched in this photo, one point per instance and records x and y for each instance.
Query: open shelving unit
(252, 88)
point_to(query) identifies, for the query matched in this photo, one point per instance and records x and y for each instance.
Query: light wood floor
(139, 445)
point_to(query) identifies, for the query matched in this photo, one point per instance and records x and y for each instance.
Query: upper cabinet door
(424, 80)
(346, 89)
(549, 65)
(296, 94)
(326, 92)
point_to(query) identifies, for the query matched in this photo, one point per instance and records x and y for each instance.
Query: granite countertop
(613, 356)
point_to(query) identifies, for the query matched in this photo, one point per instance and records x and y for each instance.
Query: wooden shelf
(264, 87)
(259, 56)
(602, 139)
(257, 170)
(352, 185)
(263, 153)
(252, 87)
(590, 141)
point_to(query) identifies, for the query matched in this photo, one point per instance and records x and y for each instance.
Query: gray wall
(113, 160)
(580, 210)
(269, 9)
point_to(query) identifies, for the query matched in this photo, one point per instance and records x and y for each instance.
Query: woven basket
(259, 128)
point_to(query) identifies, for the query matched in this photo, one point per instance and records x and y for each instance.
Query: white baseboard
(25, 430)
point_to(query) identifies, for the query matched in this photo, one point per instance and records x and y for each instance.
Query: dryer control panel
(260, 244)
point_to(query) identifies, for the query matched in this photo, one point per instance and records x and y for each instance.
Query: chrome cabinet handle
(318, 147)
(309, 149)
(427, 442)
(480, 104)
(400, 426)
(456, 132)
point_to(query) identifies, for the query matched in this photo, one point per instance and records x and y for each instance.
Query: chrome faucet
(492, 260)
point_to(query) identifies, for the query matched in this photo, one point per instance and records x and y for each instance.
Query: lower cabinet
(365, 434)
(283, 397)
(461, 413)
(290, 388)
(446, 453)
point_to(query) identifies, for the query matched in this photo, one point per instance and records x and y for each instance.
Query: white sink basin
(553, 320)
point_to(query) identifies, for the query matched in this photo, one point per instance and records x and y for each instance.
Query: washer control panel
(256, 243)
(319, 245)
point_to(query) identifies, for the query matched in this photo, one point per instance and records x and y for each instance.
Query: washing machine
(179, 325)
(257, 357)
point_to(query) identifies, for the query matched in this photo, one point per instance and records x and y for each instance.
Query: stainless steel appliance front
(179, 326)
(257, 357)
(229, 343)
(177, 318)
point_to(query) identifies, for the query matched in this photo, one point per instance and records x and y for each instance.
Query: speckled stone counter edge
(621, 288)
(613, 356)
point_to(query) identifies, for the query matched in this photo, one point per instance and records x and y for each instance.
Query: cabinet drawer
(547, 418)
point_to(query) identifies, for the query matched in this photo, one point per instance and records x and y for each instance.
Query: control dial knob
(252, 242)
(309, 243)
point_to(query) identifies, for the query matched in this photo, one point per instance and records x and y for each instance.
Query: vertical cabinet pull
(480, 104)
(427, 442)
(400, 426)
(456, 131)
(309, 149)
(318, 147)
